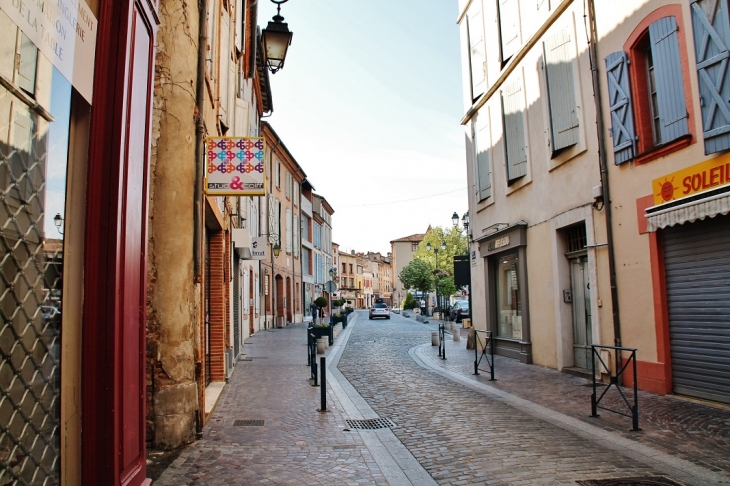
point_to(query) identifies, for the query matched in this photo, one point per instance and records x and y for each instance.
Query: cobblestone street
(531, 426)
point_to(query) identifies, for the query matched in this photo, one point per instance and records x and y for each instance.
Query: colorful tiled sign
(235, 166)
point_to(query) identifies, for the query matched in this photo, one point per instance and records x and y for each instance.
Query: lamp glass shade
(443, 245)
(58, 220)
(276, 38)
(276, 249)
(428, 246)
(455, 219)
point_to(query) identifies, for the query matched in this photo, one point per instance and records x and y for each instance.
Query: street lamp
(58, 221)
(465, 223)
(277, 250)
(436, 252)
(277, 38)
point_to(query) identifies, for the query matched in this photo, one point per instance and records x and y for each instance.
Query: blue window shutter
(668, 74)
(712, 38)
(559, 53)
(477, 58)
(622, 115)
(484, 176)
(514, 131)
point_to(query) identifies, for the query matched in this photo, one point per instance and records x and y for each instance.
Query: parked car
(459, 310)
(379, 310)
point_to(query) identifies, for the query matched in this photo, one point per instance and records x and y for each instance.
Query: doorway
(582, 323)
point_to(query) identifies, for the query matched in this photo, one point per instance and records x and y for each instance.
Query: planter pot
(322, 332)
(321, 345)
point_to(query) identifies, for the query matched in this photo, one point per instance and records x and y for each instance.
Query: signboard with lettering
(64, 31)
(259, 248)
(692, 180)
(235, 166)
(498, 243)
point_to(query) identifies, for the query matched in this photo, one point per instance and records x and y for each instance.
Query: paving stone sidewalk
(696, 431)
(296, 445)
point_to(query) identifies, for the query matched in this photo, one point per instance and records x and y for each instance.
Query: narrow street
(531, 426)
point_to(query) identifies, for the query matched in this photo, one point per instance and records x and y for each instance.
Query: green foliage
(410, 302)
(322, 325)
(456, 244)
(446, 286)
(417, 275)
(321, 302)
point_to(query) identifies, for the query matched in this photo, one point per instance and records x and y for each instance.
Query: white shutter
(288, 230)
(477, 57)
(246, 292)
(295, 231)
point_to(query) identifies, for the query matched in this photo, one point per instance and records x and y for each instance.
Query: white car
(379, 310)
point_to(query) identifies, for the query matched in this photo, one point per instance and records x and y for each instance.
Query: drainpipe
(604, 180)
(199, 148)
(198, 190)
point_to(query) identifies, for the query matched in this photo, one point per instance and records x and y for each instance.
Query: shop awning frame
(665, 215)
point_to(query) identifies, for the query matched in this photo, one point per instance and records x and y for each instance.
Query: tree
(417, 275)
(456, 244)
(410, 302)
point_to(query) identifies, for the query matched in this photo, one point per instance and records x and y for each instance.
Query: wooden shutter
(27, 67)
(559, 52)
(622, 115)
(514, 130)
(668, 75)
(484, 176)
(477, 57)
(288, 231)
(509, 21)
(240, 26)
(712, 38)
(295, 235)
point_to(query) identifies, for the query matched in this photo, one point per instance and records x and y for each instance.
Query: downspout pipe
(199, 148)
(604, 180)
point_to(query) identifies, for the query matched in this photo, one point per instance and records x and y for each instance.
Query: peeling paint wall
(172, 303)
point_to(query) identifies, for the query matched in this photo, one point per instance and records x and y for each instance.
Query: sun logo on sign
(667, 189)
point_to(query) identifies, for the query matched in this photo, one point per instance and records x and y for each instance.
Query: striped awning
(658, 217)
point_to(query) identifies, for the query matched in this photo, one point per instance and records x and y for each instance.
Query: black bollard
(323, 380)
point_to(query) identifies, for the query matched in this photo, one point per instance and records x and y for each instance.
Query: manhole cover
(647, 481)
(248, 423)
(371, 424)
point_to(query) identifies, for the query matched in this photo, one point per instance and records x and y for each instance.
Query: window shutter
(288, 231)
(712, 39)
(514, 131)
(477, 58)
(559, 54)
(622, 115)
(240, 6)
(295, 235)
(509, 19)
(484, 176)
(28, 61)
(668, 74)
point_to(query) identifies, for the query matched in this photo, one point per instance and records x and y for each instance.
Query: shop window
(711, 27)
(514, 131)
(477, 58)
(509, 29)
(509, 302)
(646, 94)
(558, 56)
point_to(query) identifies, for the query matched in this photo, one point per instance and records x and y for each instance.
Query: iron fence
(487, 353)
(614, 381)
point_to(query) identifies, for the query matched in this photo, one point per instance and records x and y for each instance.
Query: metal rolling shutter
(697, 264)
(236, 305)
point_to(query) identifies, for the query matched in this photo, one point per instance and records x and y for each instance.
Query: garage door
(697, 263)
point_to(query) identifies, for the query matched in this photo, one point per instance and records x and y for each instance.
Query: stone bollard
(471, 339)
(456, 334)
(321, 345)
(434, 338)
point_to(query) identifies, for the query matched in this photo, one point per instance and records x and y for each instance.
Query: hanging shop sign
(692, 180)
(235, 166)
(64, 31)
(259, 248)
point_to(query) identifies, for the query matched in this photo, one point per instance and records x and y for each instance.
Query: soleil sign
(692, 180)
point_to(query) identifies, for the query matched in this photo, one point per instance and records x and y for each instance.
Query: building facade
(322, 247)
(402, 250)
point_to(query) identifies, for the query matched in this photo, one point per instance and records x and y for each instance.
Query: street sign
(331, 286)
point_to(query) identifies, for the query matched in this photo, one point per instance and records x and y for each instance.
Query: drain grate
(371, 424)
(248, 423)
(645, 481)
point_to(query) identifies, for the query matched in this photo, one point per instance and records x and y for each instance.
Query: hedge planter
(322, 332)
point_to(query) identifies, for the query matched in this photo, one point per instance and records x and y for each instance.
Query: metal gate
(582, 320)
(697, 266)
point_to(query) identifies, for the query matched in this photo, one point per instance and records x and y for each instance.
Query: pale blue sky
(369, 103)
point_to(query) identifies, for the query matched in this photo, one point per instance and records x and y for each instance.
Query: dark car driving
(460, 310)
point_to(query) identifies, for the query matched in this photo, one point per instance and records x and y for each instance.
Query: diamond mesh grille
(371, 424)
(248, 423)
(30, 299)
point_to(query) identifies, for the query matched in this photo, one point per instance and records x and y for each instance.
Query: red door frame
(113, 374)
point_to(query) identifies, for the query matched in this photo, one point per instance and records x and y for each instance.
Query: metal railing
(487, 353)
(614, 381)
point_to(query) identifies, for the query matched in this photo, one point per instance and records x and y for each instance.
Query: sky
(368, 103)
